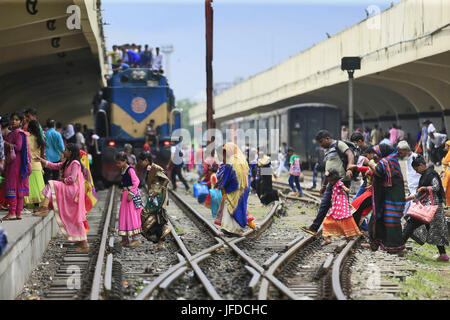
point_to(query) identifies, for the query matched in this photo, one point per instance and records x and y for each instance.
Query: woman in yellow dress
(233, 178)
(37, 147)
(445, 173)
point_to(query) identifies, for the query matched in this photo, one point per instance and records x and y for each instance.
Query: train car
(133, 98)
(297, 125)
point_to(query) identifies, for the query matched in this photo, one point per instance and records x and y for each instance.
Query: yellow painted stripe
(131, 126)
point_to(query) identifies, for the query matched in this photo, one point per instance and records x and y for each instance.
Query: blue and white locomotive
(123, 111)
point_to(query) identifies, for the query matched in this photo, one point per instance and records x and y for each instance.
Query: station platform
(27, 241)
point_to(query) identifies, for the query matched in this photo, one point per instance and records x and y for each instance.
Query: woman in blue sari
(233, 179)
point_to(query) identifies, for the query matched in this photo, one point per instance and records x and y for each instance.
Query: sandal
(134, 244)
(160, 247)
(305, 229)
(41, 213)
(325, 242)
(9, 217)
(82, 250)
(18, 217)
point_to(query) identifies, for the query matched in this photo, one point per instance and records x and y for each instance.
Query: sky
(250, 36)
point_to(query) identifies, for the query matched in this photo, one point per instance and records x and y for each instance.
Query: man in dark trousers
(333, 151)
(176, 158)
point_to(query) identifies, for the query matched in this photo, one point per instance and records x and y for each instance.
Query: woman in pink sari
(129, 215)
(18, 168)
(66, 197)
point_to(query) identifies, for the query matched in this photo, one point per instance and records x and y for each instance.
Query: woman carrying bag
(429, 192)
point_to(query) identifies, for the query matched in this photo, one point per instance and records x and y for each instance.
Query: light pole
(350, 64)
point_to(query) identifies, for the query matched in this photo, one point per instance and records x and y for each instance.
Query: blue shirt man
(134, 57)
(55, 145)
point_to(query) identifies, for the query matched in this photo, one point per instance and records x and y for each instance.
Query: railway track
(223, 253)
(253, 266)
(309, 270)
(79, 274)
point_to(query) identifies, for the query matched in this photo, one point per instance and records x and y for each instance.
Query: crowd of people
(47, 169)
(429, 141)
(382, 201)
(133, 56)
(383, 210)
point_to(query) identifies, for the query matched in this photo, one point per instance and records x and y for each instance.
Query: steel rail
(148, 290)
(337, 268)
(95, 290)
(269, 274)
(198, 272)
(193, 260)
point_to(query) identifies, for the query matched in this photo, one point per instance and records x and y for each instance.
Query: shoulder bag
(421, 212)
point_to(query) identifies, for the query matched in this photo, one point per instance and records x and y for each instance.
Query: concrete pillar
(411, 127)
(447, 123)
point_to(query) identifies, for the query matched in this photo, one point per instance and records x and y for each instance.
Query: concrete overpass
(50, 59)
(404, 76)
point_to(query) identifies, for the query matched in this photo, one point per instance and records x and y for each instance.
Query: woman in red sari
(17, 168)
(67, 197)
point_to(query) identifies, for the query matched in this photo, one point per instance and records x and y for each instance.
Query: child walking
(129, 215)
(294, 172)
(339, 220)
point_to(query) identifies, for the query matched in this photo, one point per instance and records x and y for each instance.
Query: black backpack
(356, 153)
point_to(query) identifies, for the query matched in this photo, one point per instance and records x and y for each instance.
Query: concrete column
(411, 127)
(447, 124)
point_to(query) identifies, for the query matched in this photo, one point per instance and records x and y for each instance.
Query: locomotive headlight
(152, 83)
(139, 75)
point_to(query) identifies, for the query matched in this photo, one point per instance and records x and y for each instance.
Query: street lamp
(350, 64)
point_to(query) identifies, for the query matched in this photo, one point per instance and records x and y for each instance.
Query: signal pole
(210, 123)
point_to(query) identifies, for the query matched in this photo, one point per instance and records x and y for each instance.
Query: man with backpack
(339, 156)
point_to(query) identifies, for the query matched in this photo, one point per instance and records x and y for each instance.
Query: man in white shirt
(157, 61)
(176, 159)
(412, 177)
(436, 142)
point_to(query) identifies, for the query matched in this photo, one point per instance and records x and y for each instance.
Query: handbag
(421, 212)
(137, 200)
(11, 155)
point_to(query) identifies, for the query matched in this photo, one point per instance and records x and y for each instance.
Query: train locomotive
(297, 125)
(122, 111)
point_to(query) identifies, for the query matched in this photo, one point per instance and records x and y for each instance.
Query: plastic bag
(3, 241)
(196, 188)
(203, 192)
(216, 197)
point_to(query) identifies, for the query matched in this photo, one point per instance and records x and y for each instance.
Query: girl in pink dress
(18, 169)
(66, 197)
(339, 220)
(129, 215)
